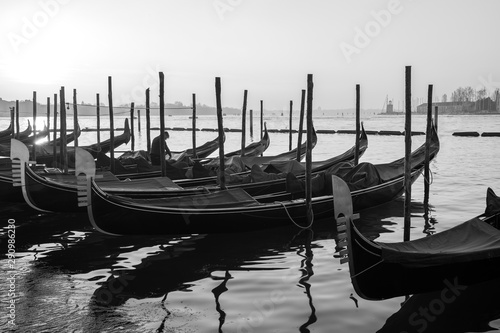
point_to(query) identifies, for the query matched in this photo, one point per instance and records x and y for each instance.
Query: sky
(267, 47)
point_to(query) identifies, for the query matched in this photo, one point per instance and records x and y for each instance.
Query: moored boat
(466, 254)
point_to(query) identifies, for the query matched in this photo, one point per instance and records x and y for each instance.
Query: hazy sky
(265, 46)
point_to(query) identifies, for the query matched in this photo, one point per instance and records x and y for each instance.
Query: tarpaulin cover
(292, 166)
(157, 184)
(221, 199)
(471, 240)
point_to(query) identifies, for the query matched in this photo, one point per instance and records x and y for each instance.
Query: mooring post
(48, 117)
(162, 126)
(358, 108)
(290, 127)
(12, 121)
(54, 147)
(75, 118)
(243, 123)
(251, 123)
(111, 125)
(220, 126)
(132, 135)
(195, 154)
(139, 121)
(34, 126)
(309, 148)
(301, 124)
(148, 123)
(17, 117)
(261, 119)
(407, 161)
(436, 118)
(64, 142)
(427, 152)
(98, 114)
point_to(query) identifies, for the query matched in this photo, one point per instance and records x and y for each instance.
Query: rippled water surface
(69, 278)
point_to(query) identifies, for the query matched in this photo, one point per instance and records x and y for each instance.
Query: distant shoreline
(445, 113)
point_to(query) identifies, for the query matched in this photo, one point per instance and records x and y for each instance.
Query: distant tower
(390, 108)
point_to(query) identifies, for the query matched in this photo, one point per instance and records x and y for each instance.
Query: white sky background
(265, 46)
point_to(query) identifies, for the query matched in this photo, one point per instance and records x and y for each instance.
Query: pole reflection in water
(306, 267)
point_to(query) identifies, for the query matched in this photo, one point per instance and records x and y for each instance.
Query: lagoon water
(70, 278)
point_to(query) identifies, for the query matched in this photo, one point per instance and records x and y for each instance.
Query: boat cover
(470, 241)
(236, 197)
(154, 184)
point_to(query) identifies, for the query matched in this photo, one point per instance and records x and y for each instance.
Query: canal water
(67, 277)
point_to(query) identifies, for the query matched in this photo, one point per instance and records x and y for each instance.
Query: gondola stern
(86, 174)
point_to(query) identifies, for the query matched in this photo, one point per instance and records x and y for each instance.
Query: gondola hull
(466, 254)
(119, 215)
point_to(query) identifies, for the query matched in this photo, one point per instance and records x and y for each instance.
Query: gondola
(30, 140)
(104, 147)
(69, 138)
(231, 210)
(465, 254)
(24, 134)
(5, 139)
(202, 151)
(253, 149)
(249, 161)
(40, 189)
(6, 133)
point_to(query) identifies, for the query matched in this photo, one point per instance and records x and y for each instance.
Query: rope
(291, 219)
(431, 176)
(366, 269)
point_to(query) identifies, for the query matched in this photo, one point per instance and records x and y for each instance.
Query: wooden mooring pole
(64, 142)
(290, 127)
(75, 118)
(243, 123)
(132, 134)
(220, 125)
(261, 119)
(148, 123)
(48, 117)
(34, 126)
(308, 178)
(162, 126)
(17, 117)
(195, 154)
(251, 123)
(358, 108)
(139, 121)
(111, 125)
(54, 147)
(427, 152)
(98, 114)
(12, 122)
(407, 160)
(301, 124)
(436, 118)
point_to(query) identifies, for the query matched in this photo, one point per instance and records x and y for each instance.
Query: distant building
(482, 105)
(390, 108)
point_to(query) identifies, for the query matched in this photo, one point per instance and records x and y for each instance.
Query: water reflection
(306, 268)
(126, 268)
